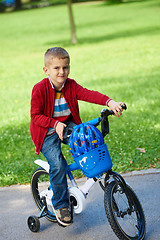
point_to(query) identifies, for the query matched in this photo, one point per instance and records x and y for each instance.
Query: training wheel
(33, 223)
(78, 199)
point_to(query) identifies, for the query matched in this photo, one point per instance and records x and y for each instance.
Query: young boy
(54, 105)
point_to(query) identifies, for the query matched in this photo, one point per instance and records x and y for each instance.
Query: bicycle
(123, 208)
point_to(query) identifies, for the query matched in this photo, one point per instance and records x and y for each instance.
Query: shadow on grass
(153, 30)
(152, 4)
(110, 3)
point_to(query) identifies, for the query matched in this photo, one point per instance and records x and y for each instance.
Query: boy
(54, 105)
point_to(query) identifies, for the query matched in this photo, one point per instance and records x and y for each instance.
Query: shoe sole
(62, 224)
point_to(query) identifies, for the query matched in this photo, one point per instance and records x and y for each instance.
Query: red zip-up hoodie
(42, 106)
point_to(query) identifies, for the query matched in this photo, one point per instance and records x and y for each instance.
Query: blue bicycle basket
(87, 147)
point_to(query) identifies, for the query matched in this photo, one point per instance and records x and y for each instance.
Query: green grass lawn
(118, 53)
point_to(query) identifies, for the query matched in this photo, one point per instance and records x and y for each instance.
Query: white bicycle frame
(79, 194)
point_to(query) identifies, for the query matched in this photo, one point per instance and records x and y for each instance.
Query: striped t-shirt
(61, 110)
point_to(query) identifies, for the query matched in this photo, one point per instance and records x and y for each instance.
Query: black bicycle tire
(108, 204)
(34, 188)
(33, 223)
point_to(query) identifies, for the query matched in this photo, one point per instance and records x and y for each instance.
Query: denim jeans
(51, 149)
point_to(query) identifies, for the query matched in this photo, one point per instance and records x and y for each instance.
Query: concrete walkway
(17, 204)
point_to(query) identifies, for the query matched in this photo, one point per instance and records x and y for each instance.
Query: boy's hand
(59, 129)
(116, 107)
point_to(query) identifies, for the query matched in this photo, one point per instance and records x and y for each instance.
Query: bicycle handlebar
(106, 112)
(103, 120)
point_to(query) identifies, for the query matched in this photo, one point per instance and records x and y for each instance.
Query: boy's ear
(45, 69)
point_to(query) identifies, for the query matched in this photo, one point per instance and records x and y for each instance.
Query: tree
(73, 30)
(18, 4)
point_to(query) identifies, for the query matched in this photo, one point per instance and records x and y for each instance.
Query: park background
(117, 53)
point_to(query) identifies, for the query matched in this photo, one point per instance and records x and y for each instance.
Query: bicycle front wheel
(41, 191)
(128, 223)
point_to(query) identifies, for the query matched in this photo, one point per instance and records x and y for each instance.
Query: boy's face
(58, 70)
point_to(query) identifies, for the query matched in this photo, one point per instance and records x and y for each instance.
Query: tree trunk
(73, 30)
(18, 4)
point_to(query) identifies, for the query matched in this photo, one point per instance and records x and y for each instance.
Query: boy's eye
(64, 68)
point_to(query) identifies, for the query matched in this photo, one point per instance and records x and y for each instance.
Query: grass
(117, 54)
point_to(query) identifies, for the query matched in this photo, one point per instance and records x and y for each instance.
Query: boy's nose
(61, 70)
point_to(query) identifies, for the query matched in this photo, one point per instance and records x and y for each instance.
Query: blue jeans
(51, 149)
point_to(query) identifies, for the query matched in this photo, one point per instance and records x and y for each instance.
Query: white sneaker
(63, 216)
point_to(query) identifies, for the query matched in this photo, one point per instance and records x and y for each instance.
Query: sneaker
(63, 216)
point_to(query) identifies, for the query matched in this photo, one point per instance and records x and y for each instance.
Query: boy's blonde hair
(55, 52)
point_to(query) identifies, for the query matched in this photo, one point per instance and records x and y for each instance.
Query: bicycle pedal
(43, 199)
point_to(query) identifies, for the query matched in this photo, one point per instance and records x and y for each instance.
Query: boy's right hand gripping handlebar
(104, 119)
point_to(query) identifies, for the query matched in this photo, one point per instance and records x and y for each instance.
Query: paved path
(16, 204)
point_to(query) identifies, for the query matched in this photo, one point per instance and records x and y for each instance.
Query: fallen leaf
(142, 150)
(152, 166)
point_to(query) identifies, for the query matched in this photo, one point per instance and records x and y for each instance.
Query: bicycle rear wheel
(128, 223)
(41, 191)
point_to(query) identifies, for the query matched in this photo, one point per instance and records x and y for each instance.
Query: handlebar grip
(106, 112)
(111, 112)
(67, 132)
(124, 106)
(104, 119)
